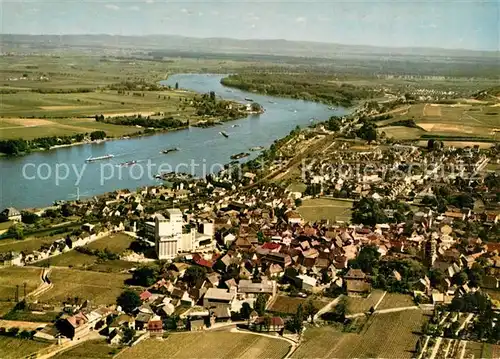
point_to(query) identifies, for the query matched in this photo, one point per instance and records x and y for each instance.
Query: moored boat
(237, 156)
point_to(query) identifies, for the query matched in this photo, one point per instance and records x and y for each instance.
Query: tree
(367, 259)
(310, 310)
(29, 217)
(128, 335)
(245, 310)
(260, 304)
(194, 274)
(298, 320)
(368, 132)
(256, 107)
(97, 135)
(145, 276)
(333, 124)
(128, 300)
(66, 210)
(16, 231)
(14, 331)
(69, 242)
(176, 85)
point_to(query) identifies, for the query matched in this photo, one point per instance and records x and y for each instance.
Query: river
(40, 178)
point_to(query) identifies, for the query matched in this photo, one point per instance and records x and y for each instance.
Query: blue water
(203, 147)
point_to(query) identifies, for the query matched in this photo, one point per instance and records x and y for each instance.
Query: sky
(452, 24)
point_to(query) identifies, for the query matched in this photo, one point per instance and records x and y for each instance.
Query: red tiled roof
(271, 246)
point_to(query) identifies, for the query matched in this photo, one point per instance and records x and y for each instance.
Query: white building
(173, 236)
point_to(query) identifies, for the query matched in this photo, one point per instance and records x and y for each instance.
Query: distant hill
(12, 42)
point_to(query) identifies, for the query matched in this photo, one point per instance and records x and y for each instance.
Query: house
(216, 297)
(268, 324)
(155, 326)
(115, 337)
(48, 334)
(74, 327)
(11, 214)
(357, 283)
(247, 288)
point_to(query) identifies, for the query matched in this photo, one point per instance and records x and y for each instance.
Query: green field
(392, 335)
(289, 305)
(362, 305)
(116, 243)
(468, 120)
(90, 349)
(15, 348)
(100, 288)
(323, 208)
(221, 345)
(10, 277)
(395, 300)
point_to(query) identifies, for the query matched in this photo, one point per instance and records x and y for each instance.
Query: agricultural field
(362, 305)
(465, 120)
(98, 349)
(391, 335)
(401, 133)
(322, 208)
(116, 243)
(72, 259)
(13, 128)
(395, 300)
(322, 342)
(222, 345)
(100, 288)
(288, 305)
(15, 348)
(10, 277)
(6, 307)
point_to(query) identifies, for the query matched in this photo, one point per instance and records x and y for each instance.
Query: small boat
(168, 150)
(93, 159)
(223, 133)
(248, 99)
(239, 155)
(129, 163)
(236, 126)
(257, 148)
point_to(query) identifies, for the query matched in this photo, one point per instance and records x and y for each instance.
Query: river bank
(204, 147)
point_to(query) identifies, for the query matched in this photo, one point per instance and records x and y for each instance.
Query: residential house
(11, 214)
(357, 283)
(263, 324)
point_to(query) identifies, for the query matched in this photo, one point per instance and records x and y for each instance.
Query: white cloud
(200, 13)
(214, 12)
(184, 10)
(252, 26)
(300, 19)
(149, 1)
(323, 18)
(112, 7)
(134, 8)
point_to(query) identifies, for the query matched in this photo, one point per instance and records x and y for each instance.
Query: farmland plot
(209, 345)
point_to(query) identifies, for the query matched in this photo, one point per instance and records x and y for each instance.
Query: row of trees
(139, 120)
(14, 147)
